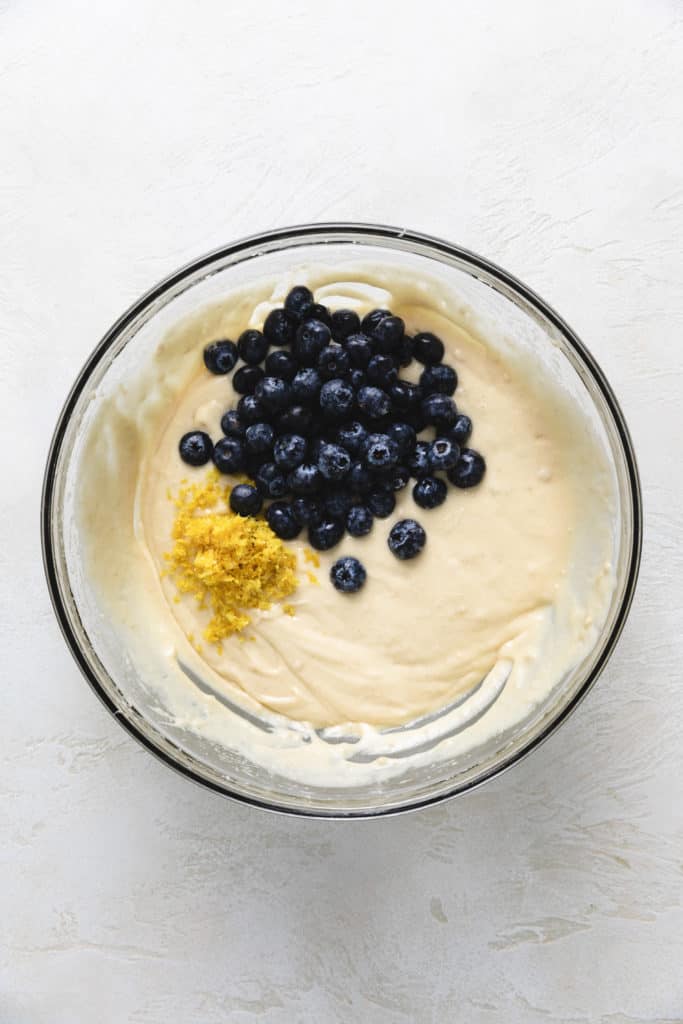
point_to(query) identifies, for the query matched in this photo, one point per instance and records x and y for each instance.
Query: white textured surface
(138, 135)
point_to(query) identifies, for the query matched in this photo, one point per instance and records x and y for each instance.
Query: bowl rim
(321, 232)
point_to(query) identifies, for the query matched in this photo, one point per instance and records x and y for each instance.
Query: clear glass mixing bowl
(496, 298)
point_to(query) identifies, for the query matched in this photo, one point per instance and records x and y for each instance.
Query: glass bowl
(497, 298)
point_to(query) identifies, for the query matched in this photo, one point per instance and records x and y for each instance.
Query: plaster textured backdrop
(135, 136)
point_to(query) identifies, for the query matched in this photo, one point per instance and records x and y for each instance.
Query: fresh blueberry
(461, 429)
(406, 539)
(252, 347)
(352, 436)
(348, 575)
(246, 379)
(337, 502)
(441, 380)
(333, 361)
(336, 399)
(195, 448)
(326, 534)
(334, 462)
(405, 395)
(388, 334)
(259, 437)
(280, 518)
(344, 323)
(382, 371)
(306, 386)
(229, 455)
(280, 327)
(359, 521)
(443, 454)
(427, 348)
(274, 392)
(373, 402)
(356, 378)
(404, 351)
(359, 478)
(381, 452)
(298, 419)
(220, 356)
(381, 503)
(418, 463)
(404, 436)
(430, 492)
(469, 469)
(311, 339)
(359, 349)
(305, 479)
(299, 301)
(321, 313)
(290, 450)
(254, 461)
(416, 419)
(245, 500)
(251, 410)
(281, 364)
(398, 477)
(270, 480)
(371, 319)
(231, 425)
(439, 410)
(307, 511)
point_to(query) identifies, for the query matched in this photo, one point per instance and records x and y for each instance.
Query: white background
(135, 136)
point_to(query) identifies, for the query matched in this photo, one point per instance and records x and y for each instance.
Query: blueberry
(311, 339)
(359, 521)
(304, 479)
(333, 361)
(356, 378)
(280, 518)
(348, 575)
(281, 364)
(388, 334)
(321, 313)
(252, 347)
(326, 534)
(334, 462)
(290, 450)
(307, 511)
(380, 451)
(220, 356)
(404, 351)
(404, 436)
(382, 371)
(298, 419)
(245, 500)
(441, 379)
(469, 469)
(254, 461)
(439, 410)
(398, 477)
(336, 399)
(430, 492)
(306, 386)
(359, 349)
(405, 395)
(344, 323)
(195, 448)
(416, 419)
(229, 455)
(274, 392)
(371, 319)
(373, 402)
(381, 503)
(443, 454)
(461, 429)
(337, 502)
(280, 327)
(251, 410)
(231, 425)
(259, 437)
(299, 301)
(246, 379)
(359, 478)
(427, 348)
(406, 539)
(352, 436)
(270, 481)
(418, 463)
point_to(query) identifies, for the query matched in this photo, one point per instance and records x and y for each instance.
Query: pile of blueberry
(328, 430)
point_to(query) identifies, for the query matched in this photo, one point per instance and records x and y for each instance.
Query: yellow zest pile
(230, 563)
